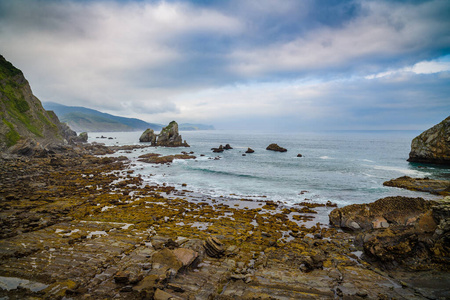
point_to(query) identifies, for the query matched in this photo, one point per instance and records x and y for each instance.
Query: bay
(344, 167)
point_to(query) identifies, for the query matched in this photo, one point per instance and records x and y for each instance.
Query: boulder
(380, 214)
(250, 150)
(432, 145)
(227, 147)
(169, 137)
(275, 147)
(148, 136)
(299, 155)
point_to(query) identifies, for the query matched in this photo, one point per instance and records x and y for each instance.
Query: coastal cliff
(432, 145)
(24, 122)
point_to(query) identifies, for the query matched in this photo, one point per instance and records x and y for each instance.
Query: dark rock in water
(299, 155)
(432, 145)
(275, 147)
(227, 147)
(250, 150)
(433, 186)
(169, 137)
(218, 150)
(148, 136)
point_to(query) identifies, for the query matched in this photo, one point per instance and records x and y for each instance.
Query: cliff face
(23, 119)
(432, 145)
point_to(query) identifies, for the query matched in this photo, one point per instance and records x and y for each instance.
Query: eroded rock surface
(432, 145)
(85, 227)
(433, 186)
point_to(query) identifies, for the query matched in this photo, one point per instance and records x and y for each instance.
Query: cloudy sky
(268, 64)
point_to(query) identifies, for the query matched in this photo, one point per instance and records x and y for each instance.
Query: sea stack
(432, 145)
(148, 136)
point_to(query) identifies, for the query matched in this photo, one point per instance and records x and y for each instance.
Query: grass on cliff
(12, 137)
(7, 69)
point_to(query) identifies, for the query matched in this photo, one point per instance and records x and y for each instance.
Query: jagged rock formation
(381, 213)
(25, 125)
(275, 147)
(148, 136)
(432, 145)
(168, 137)
(250, 150)
(393, 231)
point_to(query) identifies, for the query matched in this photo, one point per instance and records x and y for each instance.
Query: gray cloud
(241, 60)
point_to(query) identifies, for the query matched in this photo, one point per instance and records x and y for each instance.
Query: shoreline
(71, 232)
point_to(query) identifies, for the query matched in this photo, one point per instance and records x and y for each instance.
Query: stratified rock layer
(432, 145)
(433, 186)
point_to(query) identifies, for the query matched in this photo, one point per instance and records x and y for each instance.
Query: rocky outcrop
(382, 213)
(23, 119)
(250, 150)
(393, 231)
(432, 145)
(218, 150)
(148, 136)
(168, 137)
(433, 186)
(275, 147)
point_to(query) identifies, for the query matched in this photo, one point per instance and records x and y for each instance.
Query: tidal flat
(78, 226)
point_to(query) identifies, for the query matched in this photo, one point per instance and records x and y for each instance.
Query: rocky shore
(78, 226)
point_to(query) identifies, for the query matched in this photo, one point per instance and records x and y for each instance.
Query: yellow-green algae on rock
(91, 229)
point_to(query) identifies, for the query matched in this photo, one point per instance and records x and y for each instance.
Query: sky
(299, 65)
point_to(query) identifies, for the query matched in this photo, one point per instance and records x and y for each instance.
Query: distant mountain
(85, 119)
(189, 126)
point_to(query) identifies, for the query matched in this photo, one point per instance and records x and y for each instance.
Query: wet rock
(250, 150)
(218, 150)
(275, 147)
(299, 155)
(227, 147)
(433, 186)
(214, 247)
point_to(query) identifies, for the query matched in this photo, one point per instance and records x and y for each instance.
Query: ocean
(344, 167)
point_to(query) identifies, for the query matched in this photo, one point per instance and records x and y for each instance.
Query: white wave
(409, 172)
(368, 160)
(325, 157)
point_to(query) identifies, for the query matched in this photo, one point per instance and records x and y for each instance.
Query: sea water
(344, 167)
